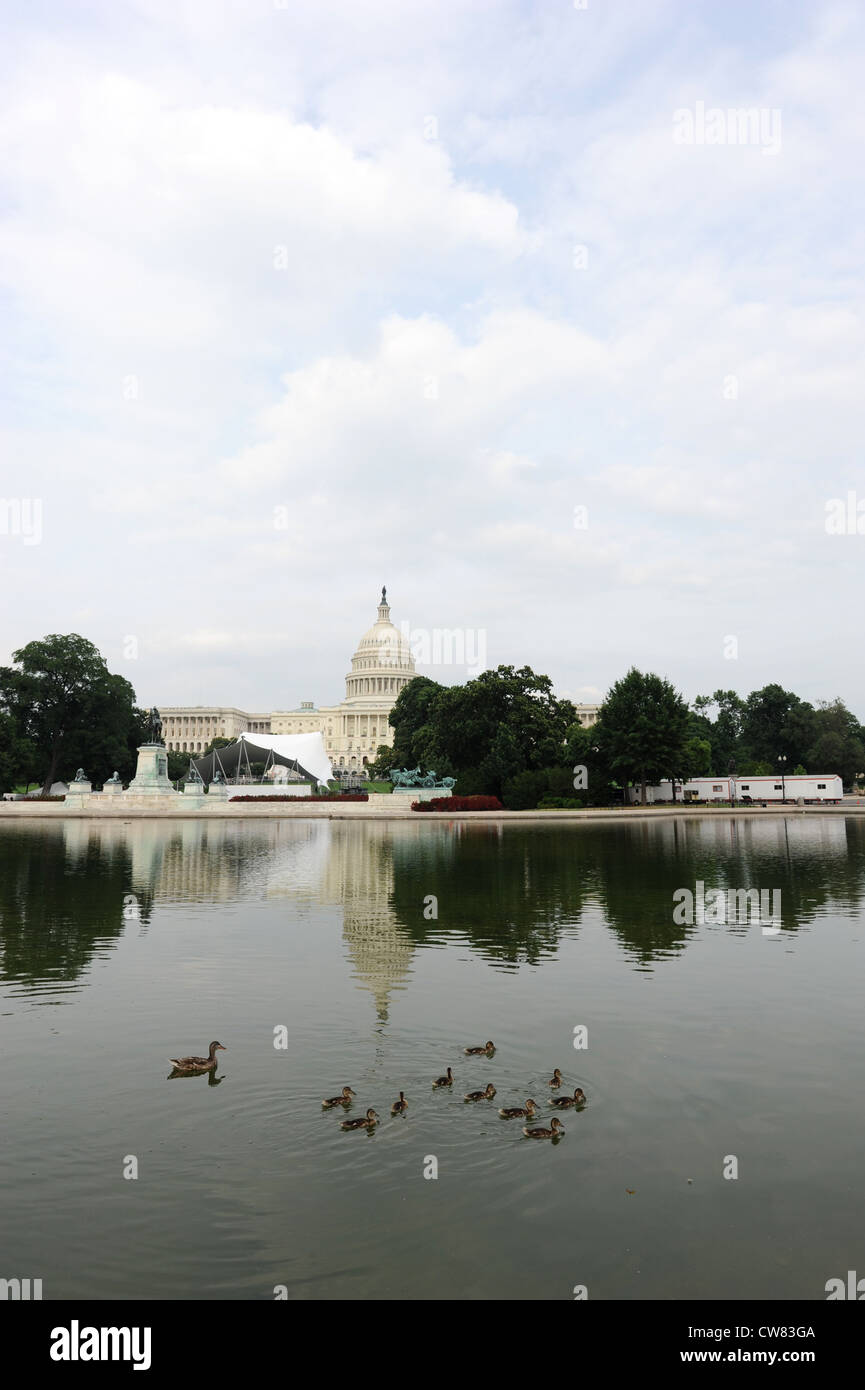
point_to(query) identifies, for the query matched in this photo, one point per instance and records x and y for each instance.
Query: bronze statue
(154, 726)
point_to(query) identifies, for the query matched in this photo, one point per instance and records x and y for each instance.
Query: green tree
(16, 754)
(65, 701)
(214, 743)
(503, 722)
(382, 763)
(725, 731)
(839, 741)
(643, 727)
(178, 765)
(775, 722)
(410, 719)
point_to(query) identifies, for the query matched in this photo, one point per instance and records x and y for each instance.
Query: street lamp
(782, 758)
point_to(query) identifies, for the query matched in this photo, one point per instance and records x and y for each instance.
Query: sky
(495, 302)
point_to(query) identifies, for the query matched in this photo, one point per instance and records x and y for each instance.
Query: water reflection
(69, 891)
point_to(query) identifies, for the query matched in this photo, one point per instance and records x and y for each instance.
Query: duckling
(344, 1099)
(562, 1102)
(400, 1106)
(555, 1080)
(198, 1063)
(486, 1094)
(447, 1080)
(488, 1048)
(369, 1121)
(556, 1127)
(515, 1113)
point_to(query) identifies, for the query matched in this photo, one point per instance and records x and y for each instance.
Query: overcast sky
(307, 297)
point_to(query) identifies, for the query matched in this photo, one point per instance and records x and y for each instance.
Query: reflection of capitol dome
(360, 875)
(383, 661)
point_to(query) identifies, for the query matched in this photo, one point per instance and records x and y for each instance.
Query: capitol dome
(383, 662)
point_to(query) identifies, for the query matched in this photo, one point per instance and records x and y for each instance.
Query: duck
(556, 1128)
(486, 1094)
(447, 1080)
(400, 1106)
(562, 1102)
(488, 1048)
(514, 1112)
(198, 1063)
(344, 1099)
(368, 1121)
(555, 1080)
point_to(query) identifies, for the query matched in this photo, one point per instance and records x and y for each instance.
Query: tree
(725, 732)
(775, 722)
(65, 701)
(16, 754)
(216, 743)
(642, 728)
(382, 763)
(839, 742)
(504, 722)
(178, 765)
(410, 720)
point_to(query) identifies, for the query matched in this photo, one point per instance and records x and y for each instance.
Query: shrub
(523, 792)
(459, 803)
(561, 803)
(473, 782)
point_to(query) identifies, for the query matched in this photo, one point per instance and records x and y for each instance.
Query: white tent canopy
(304, 751)
(307, 750)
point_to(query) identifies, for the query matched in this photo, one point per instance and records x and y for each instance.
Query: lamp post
(782, 758)
(731, 774)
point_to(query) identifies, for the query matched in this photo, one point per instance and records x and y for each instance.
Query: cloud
(322, 260)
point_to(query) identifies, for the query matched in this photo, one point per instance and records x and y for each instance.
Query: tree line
(505, 733)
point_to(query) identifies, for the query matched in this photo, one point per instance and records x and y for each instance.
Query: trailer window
(778, 787)
(746, 787)
(821, 786)
(717, 789)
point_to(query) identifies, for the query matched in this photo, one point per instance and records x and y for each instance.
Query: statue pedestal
(151, 775)
(422, 793)
(218, 791)
(79, 788)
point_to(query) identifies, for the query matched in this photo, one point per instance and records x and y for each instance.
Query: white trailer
(815, 787)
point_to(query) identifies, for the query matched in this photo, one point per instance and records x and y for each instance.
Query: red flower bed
(359, 796)
(459, 803)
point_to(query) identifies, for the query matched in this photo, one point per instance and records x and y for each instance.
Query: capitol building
(352, 731)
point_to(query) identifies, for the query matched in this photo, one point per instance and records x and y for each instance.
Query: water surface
(122, 945)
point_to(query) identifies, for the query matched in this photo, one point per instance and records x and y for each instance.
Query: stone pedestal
(80, 787)
(151, 776)
(219, 791)
(421, 793)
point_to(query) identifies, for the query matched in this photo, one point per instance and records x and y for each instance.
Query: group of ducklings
(526, 1112)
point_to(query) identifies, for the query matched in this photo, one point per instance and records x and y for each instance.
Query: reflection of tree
(58, 900)
(813, 861)
(512, 890)
(509, 890)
